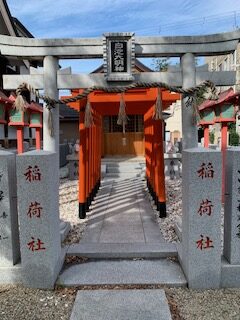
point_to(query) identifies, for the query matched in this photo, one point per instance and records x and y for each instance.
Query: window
(134, 124)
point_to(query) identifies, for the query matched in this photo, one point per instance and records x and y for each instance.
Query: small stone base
(230, 276)
(65, 227)
(47, 277)
(11, 275)
(178, 227)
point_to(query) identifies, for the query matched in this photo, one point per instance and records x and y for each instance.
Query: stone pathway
(123, 227)
(122, 213)
(121, 305)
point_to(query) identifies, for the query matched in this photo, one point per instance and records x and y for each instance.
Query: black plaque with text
(118, 56)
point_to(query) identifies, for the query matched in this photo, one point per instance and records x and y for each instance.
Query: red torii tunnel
(138, 101)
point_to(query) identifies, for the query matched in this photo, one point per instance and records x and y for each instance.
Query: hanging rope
(158, 110)
(122, 116)
(209, 87)
(196, 114)
(20, 103)
(50, 121)
(88, 119)
(206, 88)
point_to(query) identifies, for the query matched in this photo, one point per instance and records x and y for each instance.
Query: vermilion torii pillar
(82, 168)
(89, 161)
(154, 153)
(159, 168)
(206, 135)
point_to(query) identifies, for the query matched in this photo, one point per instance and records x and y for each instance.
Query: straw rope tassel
(122, 116)
(19, 103)
(50, 121)
(196, 115)
(88, 119)
(158, 112)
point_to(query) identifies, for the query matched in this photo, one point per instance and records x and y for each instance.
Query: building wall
(230, 62)
(69, 131)
(227, 62)
(174, 123)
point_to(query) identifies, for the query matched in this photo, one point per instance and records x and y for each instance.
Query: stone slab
(122, 250)
(163, 271)
(9, 229)
(201, 220)
(232, 206)
(121, 305)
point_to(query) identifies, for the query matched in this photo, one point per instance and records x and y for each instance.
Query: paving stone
(162, 271)
(121, 305)
(124, 219)
(122, 235)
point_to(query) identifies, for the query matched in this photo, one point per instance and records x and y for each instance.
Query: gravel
(17, 302)
(189, 304)
(174, 210)
(68, 206)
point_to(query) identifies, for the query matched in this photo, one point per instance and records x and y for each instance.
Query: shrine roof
(225, 96)
(68, 113)
(36, 107)
(4, 98)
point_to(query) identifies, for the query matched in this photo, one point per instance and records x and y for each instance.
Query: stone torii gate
(47, 259)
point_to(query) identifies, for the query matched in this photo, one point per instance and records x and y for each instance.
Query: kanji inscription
(118, 56)
(35, 245)
(206, 207)
(206, 171)
(204, 243)
(33, 174)
(34, 210)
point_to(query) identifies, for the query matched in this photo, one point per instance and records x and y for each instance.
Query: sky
(91, 18)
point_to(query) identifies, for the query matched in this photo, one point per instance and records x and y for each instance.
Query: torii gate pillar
(51, 143)
(189, 129)
(50, 67)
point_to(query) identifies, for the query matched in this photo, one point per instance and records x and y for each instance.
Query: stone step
(123, 169)
(124, 164)
(123, 174)
(129, 272)
(123, 250)
(121, 305)
(124, 160)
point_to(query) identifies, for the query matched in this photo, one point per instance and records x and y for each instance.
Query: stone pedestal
(201, 222)
(232, 206)
(37, 175)
(9, 235)
(173, 165)
(73, 165)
